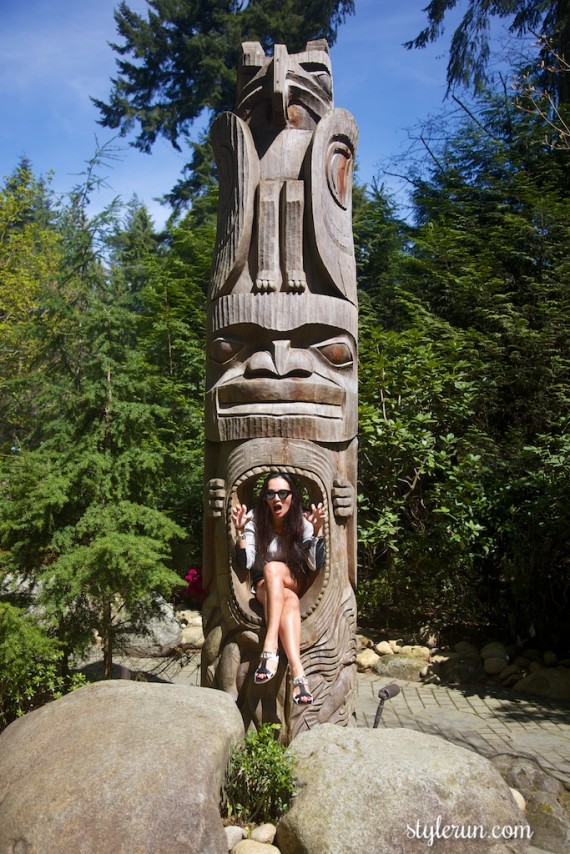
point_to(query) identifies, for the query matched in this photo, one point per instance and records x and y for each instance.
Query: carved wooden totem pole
(282, 371)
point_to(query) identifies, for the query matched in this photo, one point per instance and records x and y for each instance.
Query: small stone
(519, 800)
(521, 660)
(250, 846)
(508, 671)
(493, 666)
(550, 658)
(534, 667)
(532, 654)
(446, 657)
(429, 670)
(416, 651)
(192, 637)
(396, 646)
(234, 834)
(464, 648)
(264, 833)
(366, 660)
(365, 643)
(494, 650)
(384, 648)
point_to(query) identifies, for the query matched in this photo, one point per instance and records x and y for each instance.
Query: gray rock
(383, 648)
(415, 651)
(494, 650)
(264, 833)
(161, 636)
(494, 665)
(466, 650)
(399, 667)
(462, 670)
(366, 660)
(192, 637)
(250, 846)
(550, 824)
(526, 776)
(551, 682)
(234, 834)
(374, 791)
(118, 767)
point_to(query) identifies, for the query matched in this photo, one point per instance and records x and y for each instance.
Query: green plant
(30, 666)
(259, 781)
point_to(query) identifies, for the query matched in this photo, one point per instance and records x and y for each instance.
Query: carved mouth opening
(245, 492)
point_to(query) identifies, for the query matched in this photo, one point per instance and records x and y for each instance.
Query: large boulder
(391, 791)
(161, 634)
(118, 767)
(552, 683)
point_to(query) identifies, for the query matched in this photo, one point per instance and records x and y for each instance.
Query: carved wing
(331, 168)
(238, 171)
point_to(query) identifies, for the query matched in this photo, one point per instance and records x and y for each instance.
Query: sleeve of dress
(314, 547)
(245, 558)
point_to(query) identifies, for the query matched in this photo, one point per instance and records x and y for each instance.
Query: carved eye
(338, 353)
(224, 349)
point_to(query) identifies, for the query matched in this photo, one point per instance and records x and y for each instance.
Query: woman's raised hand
(316, 516)
(240, 517)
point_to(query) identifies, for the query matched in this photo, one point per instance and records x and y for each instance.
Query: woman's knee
(274, 569)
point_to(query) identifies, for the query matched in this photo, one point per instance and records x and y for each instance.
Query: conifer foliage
(100, 456)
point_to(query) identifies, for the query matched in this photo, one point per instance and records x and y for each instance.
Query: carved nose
(287, 361)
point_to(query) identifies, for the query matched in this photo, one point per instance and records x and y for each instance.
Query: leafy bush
(259, 781)
(30, 671)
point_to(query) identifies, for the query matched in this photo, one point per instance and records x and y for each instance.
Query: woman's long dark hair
(293, 524)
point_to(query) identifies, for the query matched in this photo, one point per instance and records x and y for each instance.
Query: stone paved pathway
(490, 722)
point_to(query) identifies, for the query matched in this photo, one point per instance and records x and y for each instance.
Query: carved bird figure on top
(285, 161)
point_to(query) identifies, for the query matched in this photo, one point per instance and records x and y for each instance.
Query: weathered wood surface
(282, 369)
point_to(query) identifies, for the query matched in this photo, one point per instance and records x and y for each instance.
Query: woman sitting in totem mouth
(279, 545)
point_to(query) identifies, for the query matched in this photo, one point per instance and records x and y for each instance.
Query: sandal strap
(300, 680)
(265, 656)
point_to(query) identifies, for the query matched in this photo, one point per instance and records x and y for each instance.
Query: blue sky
(54, 55)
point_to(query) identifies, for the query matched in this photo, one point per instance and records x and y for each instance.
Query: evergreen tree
(80, 515)
(489, 259)
(30, 255)
(179, 62)
(470, 46)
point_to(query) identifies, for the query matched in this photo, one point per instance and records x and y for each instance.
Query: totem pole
(281, 385)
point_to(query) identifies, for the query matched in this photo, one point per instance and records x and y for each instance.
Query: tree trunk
(107, 640)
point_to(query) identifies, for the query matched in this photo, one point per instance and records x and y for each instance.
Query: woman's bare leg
(279, 594)
(271, 594)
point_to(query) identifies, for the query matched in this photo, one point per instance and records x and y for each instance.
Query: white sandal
(264, 673)
(304, 697)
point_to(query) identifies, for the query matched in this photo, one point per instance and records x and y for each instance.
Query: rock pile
(526, 670)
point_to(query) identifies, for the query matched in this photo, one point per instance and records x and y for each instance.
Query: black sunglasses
(280, 493)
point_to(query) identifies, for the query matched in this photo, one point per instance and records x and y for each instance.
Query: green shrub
(30, 666)
(259, 781)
